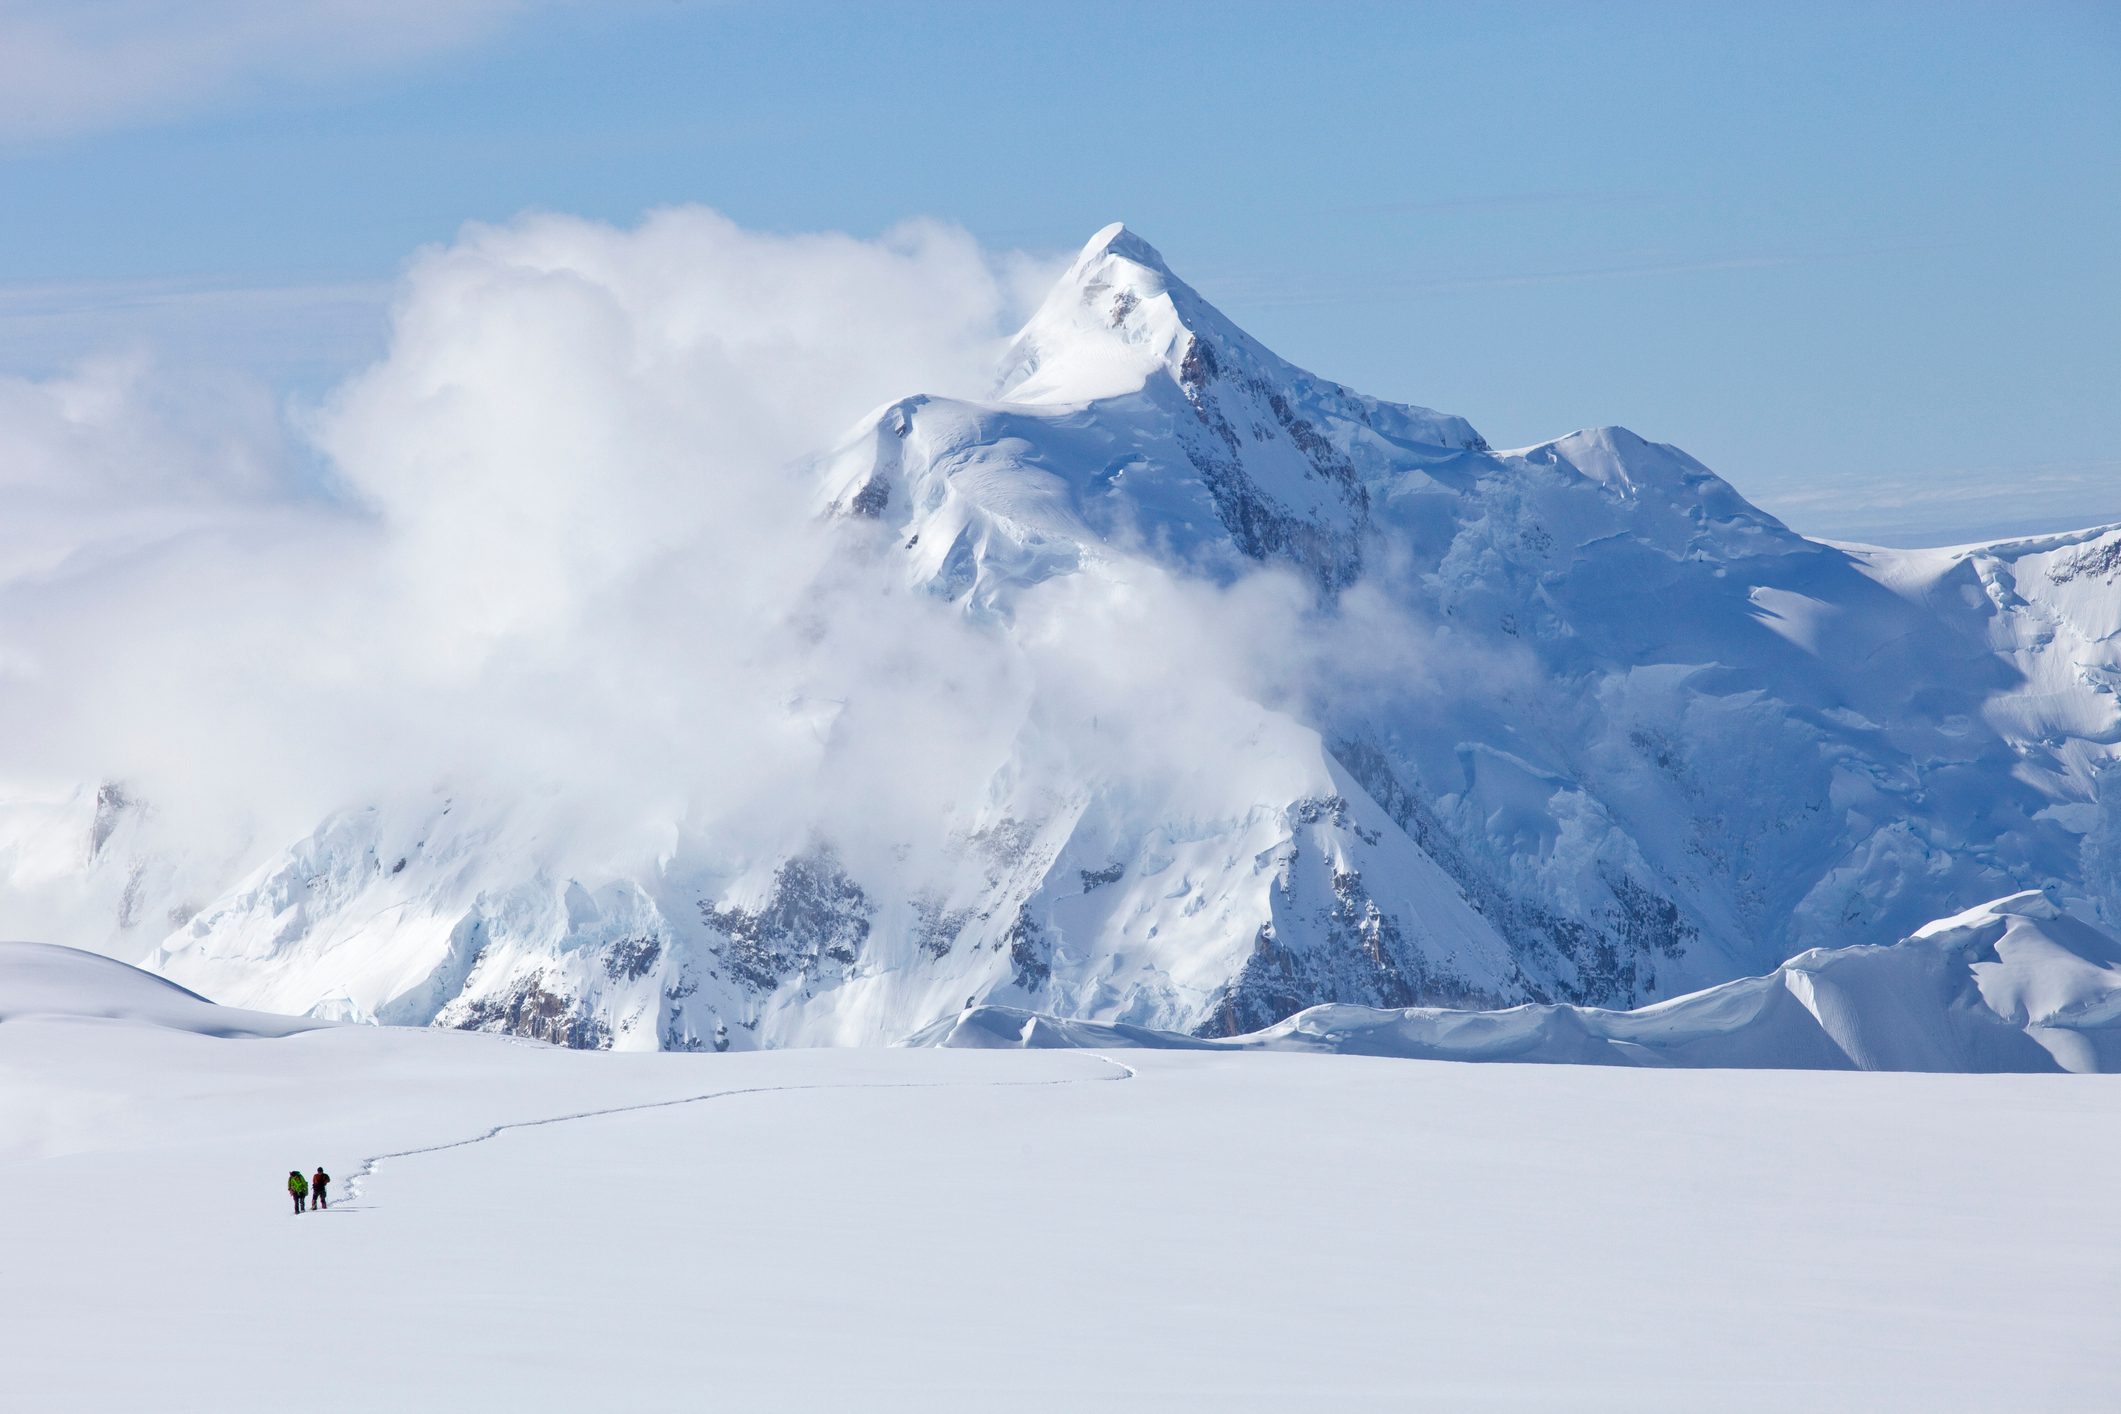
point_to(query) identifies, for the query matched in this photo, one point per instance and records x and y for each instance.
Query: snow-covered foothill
(43, 981)
(2014, 985)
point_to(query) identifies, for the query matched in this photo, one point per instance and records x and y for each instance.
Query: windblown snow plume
(684, 631)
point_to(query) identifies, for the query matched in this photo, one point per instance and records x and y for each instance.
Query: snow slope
(40, 980)
(943, 1230)
(1576, 725)
(2015, 985)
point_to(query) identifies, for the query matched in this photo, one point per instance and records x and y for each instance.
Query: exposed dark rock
(1362, 957)
(1312, 809)
(1660, 749)
(871, 500)
(935, 928)
(1611, 957)
(541, 1013)
(1646, 921)
(814, 916)
(1198, 368)
(630, 959)
(1262, 531)
(1098, 878)
(1029, 952)
(2098, 560)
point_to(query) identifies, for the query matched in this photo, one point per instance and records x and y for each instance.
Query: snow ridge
(42, 981)
(2014, 985)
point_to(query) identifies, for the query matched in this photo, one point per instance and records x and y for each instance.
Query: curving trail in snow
(1253, 1231)
(370, 1165)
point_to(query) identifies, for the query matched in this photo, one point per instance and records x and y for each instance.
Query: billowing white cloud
(122, 450)
(68, 67)
(556, 535)
(559, 548)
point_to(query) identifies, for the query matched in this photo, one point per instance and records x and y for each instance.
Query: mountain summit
(1176, 424)
(1116, 314)
(1573, 724)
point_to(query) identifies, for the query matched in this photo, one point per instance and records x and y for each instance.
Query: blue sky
(1860, 259)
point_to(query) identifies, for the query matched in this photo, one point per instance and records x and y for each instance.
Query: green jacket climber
(298, 1188)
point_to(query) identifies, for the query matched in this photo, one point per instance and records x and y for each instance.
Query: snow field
(944, 1230)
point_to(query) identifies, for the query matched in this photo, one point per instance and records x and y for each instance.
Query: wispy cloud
(1622, 271)
(1487, 201)
(74, 66)
(1277, 289)
(60, 299)
(294, 332)
(1952, 505)
(1262, 291)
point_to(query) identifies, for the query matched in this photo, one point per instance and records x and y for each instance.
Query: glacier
(1577, 726)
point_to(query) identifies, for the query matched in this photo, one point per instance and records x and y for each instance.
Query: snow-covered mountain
(1583, 727)
(2014, 985)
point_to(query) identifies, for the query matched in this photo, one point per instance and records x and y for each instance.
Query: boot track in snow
(369, 1166)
